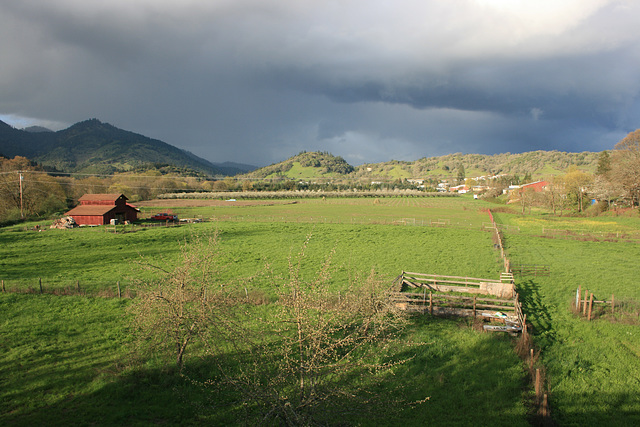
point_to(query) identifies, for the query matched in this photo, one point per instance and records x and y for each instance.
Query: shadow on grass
(538, 315)
(138, 398)
(462, 377)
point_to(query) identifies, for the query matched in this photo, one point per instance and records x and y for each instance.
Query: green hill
(537, 164)
(306, 166)
(92, 146)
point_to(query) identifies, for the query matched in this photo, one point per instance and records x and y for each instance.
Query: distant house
(459, 189)
(537, 186)
(100, 209)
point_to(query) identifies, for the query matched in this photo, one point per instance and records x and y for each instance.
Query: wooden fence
(530, 270)
(432, 293)
(525, 347)
(585, 306)
(40, 286)
(502, 287)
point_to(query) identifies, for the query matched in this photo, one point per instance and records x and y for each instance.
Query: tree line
(615, 182)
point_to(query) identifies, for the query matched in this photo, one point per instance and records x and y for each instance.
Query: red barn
(100, 209)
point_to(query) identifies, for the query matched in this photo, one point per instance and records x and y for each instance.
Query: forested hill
(536, 164)
(306, 165)
(92, 146)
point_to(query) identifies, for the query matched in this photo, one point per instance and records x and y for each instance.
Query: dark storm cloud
(258, 81)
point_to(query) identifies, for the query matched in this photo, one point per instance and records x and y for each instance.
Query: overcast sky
(257, 81)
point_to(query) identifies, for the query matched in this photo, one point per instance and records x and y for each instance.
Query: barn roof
(89, 210)
(101, 197)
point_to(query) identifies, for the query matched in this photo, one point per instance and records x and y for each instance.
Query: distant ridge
(534, 164)
(92, 146)
(36, 129)
(306, 165)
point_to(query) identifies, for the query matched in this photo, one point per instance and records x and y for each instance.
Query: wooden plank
(437, 282)
(419, 296)
(415, 275)
(498, 328)
(496, 307)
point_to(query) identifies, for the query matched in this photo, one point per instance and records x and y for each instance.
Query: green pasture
(544, 223)
(68, 359)
(463, 212)
(65, 361)
(71, 363)
(593, 368)
(97, 259)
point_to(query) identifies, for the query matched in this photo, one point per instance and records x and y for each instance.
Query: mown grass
(593, 368)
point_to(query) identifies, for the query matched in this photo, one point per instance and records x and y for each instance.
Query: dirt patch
(192, 203)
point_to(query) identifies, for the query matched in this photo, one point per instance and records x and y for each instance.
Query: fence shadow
(538, 314)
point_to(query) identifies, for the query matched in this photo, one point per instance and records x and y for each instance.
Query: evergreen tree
(604, 163)
(461, 173)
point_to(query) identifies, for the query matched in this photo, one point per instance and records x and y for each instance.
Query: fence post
(119, 293)
(78, 286)
(40, 283)
(474, 307)
(430, 303)
(584, 307)
(545, 406)
(538, 386)
(578, 298)
(612, 300)
(590, 306)
(531, 359)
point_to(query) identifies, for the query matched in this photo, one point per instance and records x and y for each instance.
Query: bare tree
(312, 357)
(321, 352)
(554, 194)
(184, 303)
(625, 166)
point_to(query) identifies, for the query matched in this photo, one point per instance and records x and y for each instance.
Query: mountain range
(92, 146)
(533, 164)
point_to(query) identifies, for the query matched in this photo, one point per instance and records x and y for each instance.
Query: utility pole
(21, 209)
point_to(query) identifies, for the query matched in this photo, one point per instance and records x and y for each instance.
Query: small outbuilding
(100, 209)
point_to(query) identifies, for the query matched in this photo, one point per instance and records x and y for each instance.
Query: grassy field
(593, 368)
(70, 364)
(459, 212)
(68, 358)
(99, 259)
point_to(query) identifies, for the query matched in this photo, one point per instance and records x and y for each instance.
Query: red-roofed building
(537, 186)
(100, 209)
